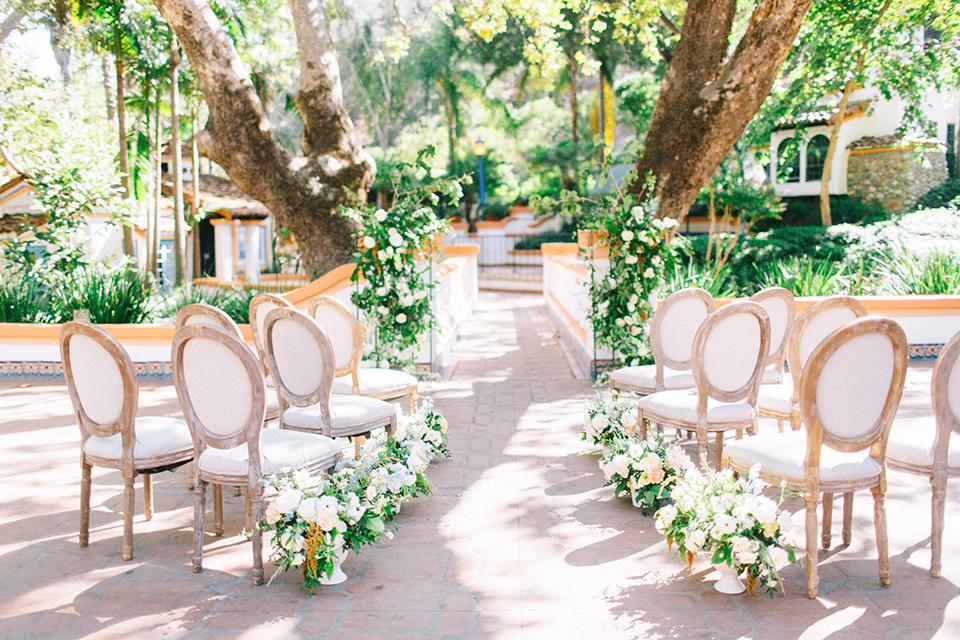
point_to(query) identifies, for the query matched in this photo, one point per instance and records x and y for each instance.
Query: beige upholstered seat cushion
(681, 406)
(375, 382)
(784, 454)
(279, 449)
(644, 378)
(345, 412)
(776, 397)
(911, 442)
(155, 437)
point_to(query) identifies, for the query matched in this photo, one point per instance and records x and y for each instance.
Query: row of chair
(846, 376)
(226, 396)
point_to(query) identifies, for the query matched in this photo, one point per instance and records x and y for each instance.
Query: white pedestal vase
(729, 581)
(635, 498)
(338, 575)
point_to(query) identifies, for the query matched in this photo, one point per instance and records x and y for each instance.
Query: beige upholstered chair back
(220, 387)
(343, 330)
(730, 352)
(675, 325)
(782, 310)
(945, 392)
(260, 305)
(851, 386)
(101, 381)
(206, 314)
(816, 323)
(300, 357)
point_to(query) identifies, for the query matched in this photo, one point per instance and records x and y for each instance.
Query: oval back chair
(781, 308)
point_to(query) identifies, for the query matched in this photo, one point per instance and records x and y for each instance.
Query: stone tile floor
(521, 540)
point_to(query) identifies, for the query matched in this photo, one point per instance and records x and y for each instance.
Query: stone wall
(895, 177)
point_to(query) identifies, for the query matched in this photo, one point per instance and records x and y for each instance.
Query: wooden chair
(301, 357)
(729, 354)
(221, 390)
(346, 337)
(260, 305)
(782, 401)
(104, 391)
(930, 445)
(209, 315)
(782, 310)
(672, 331)
(849, 393)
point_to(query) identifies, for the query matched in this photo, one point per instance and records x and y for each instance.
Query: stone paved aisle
(521, 541)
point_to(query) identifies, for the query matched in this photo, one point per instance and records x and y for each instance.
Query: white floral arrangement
(605, 422)
(730, 518)
(644, 469)
(315, 518)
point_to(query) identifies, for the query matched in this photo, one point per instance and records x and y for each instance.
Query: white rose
(288, 500)
(746, 558)
(627, 235)
(382, 291)
(785, 520)
(631, 259)
(694, 540)
(328, 522)
(724, 524)
(778, 557)
(665, 517)
(396, 239)
(369, 242)
(307, 509)
(327, 505)
(648, 273)
(619, 322)
(401, 318)
(764, 510)
(380, 215)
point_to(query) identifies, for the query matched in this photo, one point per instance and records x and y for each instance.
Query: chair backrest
(674, 326)
(782, 310)
(729, 353)
(260, 305)
(101, 381)
(301, 359)
(816, 323)
(206, 314)
(342, 329)
(851, 387)
(221, 390)
(945, 394)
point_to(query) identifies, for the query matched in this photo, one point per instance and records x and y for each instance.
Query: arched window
(788, 161)
(816, 157)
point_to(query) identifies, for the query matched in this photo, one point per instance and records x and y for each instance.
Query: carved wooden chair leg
(826, 534)
(84, 504)
(641, 424)
(218, 509)
(847, 518)
(880, 522)
(813, 578)
(357, 443)
(780, 425)
(148, 496)
(702, 448)
(190, 484)
(199, 510)
(938, 507)
(129, 504)
(719, 449)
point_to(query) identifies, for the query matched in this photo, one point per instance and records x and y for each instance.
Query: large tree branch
(708, 99)
(10, 23)
(303, 194)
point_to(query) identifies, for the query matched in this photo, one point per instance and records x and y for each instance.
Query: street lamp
(480, 150)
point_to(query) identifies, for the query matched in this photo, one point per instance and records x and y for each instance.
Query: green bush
(234, 302)
(935, 273)
(801, 276)
(945, 194)
(534, 242)
(24, 300)
(805, 211)
(684, 276)
(111, 296)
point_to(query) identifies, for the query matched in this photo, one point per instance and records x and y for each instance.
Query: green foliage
(391, 244)
(535, 242)
(805, 211)
(23, 299)
(112, 296)
(936, 273)
(802, 276)
(234, 302)
(945, 194)
(637, 95)
(691, 274)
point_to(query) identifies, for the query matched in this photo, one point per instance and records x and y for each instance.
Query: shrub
(805, 211)
(801, 276)
(23, 300)
(112, 296)
(684, 276)
(534, 242)
(944, 194)
(916, 274)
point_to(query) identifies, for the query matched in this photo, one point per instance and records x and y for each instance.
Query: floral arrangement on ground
(644, 469)
(317, 519)
(606, 422)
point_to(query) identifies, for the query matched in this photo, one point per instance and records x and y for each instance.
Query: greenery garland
(393, 246)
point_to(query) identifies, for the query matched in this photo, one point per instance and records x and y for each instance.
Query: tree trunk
(61, 18)
(176, 168)
(10, 23)
(154, 249)
(302, 194)
(128, 246)
(110, 95)
(825, 217)
(195, 200)
(707, 98)
(573, 73)
(151, 182)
